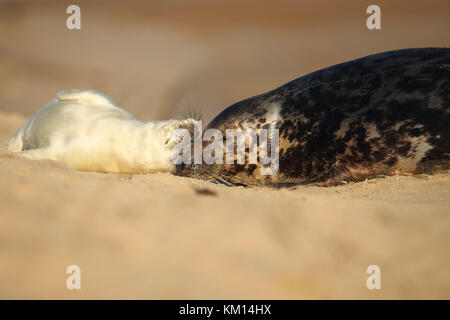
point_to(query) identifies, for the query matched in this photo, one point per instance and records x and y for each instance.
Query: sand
(159, 236)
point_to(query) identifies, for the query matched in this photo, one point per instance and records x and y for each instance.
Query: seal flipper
(90, 97)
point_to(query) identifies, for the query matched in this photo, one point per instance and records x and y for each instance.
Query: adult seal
(382, 114)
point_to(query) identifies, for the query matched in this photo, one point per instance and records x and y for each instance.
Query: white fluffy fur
(85, 130)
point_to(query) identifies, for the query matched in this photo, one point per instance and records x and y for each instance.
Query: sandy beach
(159, 236)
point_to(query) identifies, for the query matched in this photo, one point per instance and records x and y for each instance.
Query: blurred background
(171, 58)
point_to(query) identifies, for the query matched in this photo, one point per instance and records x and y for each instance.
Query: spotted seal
(87, 131)
(377, 115)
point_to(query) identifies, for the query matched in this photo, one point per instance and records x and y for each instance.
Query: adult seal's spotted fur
(373, 116)
(86, 130)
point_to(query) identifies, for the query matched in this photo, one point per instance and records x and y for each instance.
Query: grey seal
(377, 115)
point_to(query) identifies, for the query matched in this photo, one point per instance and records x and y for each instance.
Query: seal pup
(86, 130)
(378, 115)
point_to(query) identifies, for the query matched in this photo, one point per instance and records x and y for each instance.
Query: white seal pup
(86, 130)
(374, 116)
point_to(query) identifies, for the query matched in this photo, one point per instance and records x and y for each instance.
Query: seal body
(85, 130)
(378, 115)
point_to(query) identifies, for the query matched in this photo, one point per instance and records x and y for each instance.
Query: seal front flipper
(38, 154)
